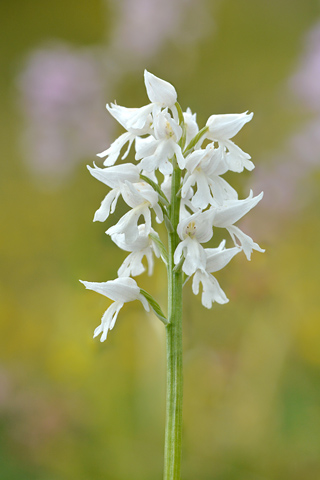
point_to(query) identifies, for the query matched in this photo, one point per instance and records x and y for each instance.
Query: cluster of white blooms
(165, 139)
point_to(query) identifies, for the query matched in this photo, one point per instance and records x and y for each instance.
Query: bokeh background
(74, 409)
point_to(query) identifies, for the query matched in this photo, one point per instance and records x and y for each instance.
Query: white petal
(193, 160)
(178, 152)
(113, 176)
(166, 186)
(203, 196)
(159, 159)
(144, 302)
(119, 290)
(107, 206)
(145, 147)
(166, 127)
(223, 127)
(178, 252)
(195, 256)
(141, 242)
(108, 320)
(135, 120)
(219, 259)
(236, 159)
(246, 242)
(221, 190)
(159, 91)
(131, 195)
(188, 181)
(132, 265)
(149, 256)
(113, 152)
(128, 225)
(191, 125)
(211, 292)
(202, 226)
(232, 211)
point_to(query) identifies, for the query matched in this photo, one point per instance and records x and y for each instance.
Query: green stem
(173, 434)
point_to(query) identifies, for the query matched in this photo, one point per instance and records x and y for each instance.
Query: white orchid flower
(216, 259)
(204, 167)
(211, 290)
(236, 159)
(113, 177)
(155, 153)
(137, 121)
(228, 214)
(193, 230)
(142, 246)
(221, 128)
(121, 290)
(140, 197)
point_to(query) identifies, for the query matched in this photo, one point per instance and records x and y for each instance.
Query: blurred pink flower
(284, 175)
(306, 81)
(63, 100)
(63, 89)
(143, 26)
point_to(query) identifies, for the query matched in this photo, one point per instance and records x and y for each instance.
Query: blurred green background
(74, 409)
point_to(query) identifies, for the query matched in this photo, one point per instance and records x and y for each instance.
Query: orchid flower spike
(175, 178)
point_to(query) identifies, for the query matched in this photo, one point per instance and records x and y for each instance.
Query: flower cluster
(168, 140)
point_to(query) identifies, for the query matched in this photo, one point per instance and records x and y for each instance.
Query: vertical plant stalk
(173, 432)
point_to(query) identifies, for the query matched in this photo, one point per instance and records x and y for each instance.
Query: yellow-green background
(74, 409)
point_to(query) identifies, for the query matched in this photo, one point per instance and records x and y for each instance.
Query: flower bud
(160, 91)
(224, 127)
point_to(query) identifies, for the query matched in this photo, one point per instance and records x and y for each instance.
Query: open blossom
(216, 259)
(193, 199)
(230, 213)
(140, 197)
(142, 246)
(114, 177)
(221, 128)
(204, 167)
(156, 153)
(120, 290)
(138, 121)
(194, 230)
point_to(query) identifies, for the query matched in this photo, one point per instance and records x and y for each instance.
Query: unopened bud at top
(159, 91)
